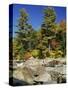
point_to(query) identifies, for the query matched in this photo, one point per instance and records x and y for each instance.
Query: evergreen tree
(48, 25)
(23, 34)
(61, 36)
(49, 20)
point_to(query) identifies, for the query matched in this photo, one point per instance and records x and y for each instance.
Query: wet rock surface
(35, 71)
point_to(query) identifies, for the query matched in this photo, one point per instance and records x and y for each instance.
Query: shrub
(58, 53)
(35, 53)
(27, 55)
(54, 53)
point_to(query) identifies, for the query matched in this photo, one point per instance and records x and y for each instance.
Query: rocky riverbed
(44, 71)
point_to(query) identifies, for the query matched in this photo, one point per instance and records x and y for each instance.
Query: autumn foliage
(48, 41)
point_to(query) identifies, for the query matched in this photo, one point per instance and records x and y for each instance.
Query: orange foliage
(54, 43)
(27, 55)
(63, 25)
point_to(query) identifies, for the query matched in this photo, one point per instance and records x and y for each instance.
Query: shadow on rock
(17, 82)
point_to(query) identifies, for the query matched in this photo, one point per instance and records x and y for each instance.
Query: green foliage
(49, 20)
(48, 41)
(36, 53)
(54, 53)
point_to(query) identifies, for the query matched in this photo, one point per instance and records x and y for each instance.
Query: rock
(33, 71)
(25, 74)
(32, 62)
(53, 63)
(61, 79)
(31, 58)
(17, 82)
(45, 77)
(61, 69)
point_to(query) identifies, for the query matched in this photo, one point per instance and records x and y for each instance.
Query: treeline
(48, 41)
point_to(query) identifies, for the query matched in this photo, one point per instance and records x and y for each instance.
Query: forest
(49, 41)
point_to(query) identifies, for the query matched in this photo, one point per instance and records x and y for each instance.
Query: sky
(35, 14)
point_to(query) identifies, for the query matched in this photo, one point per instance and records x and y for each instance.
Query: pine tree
(48, 25)
(23, 34)
(61, 36)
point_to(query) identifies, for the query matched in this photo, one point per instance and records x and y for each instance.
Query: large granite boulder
(24, 74)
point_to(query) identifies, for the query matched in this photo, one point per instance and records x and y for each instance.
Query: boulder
(25, 74)
(43, 77)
